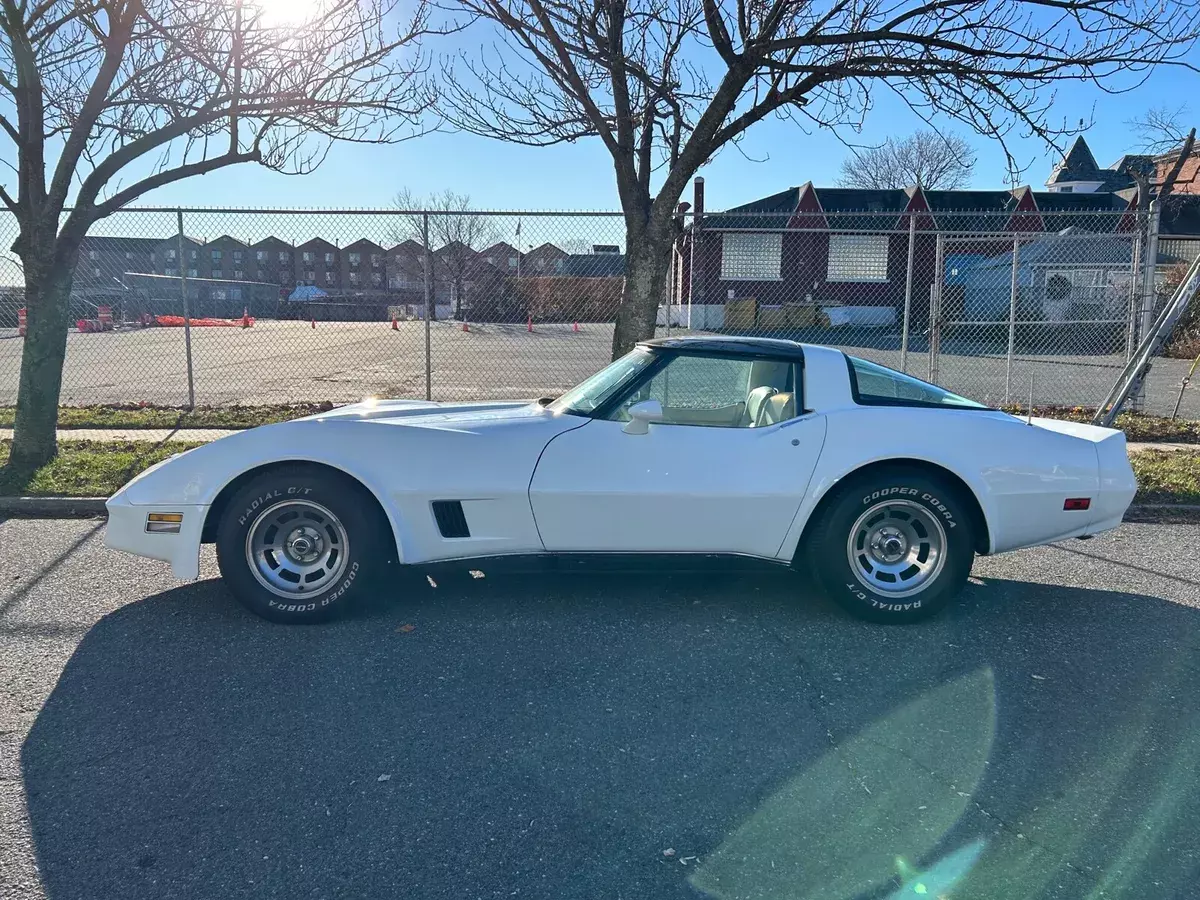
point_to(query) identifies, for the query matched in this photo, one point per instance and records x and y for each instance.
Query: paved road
(286, 362)
(633, 736)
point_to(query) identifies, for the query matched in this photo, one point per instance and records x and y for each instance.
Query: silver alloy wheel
(897, 548)
(297, 548)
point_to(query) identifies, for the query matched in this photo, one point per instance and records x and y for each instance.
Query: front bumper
(126, 531)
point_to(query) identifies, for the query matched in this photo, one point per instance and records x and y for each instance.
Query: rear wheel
(893, 546)
(297, 545)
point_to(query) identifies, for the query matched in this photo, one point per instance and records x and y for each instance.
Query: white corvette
(885, 486)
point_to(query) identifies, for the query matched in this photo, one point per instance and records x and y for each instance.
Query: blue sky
(579, 176)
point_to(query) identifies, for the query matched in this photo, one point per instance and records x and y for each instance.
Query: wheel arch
(982, 532)
(221, 501)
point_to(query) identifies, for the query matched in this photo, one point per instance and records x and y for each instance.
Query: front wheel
(893, 546)
(296, 545)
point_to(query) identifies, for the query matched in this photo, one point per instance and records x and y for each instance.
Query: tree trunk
(647, 262)
(48, 304)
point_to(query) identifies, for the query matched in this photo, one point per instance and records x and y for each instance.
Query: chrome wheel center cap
(889, 545)
(304, 544)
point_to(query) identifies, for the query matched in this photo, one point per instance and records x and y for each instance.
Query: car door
(719, 473)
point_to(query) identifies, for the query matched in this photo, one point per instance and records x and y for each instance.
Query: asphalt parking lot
(289, 362)
(632, 736)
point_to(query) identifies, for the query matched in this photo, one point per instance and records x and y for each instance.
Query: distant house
(503, 256)
(546, 259)
(316, 262)
(166, 257)
(605, 261)
(225, 259)
(363, 267)
(824, 247)
(273, 262)
(1078, 172)
(104, 261)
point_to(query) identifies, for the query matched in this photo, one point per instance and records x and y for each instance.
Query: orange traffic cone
(245, 317)
(575, 327)
(529, 324)
(395, 324)
(314, 322)
(466, 327)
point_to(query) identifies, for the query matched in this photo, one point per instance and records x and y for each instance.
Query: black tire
(312, 493)
(888, 495)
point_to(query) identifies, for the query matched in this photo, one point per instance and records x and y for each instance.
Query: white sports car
(883, 485)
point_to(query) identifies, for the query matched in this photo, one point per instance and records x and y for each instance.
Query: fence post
(908, 285)
(1150, 263)
(187, 315)
(1012, 319)
(429, 304)
(935, 307)
(1135, 290)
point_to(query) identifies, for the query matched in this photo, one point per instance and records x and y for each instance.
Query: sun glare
(276, 13)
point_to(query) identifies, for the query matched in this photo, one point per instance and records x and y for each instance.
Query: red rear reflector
(1078, 503)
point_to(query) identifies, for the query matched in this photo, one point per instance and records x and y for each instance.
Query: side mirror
(641, 415)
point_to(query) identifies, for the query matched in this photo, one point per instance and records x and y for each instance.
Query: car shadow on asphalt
(624, 736)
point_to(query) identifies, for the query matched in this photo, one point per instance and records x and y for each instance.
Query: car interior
(720, 393)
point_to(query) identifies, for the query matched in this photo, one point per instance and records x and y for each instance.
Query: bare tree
(457, 233)
(113, 98)
(1163, 135)
(665, 84)
(926, 158)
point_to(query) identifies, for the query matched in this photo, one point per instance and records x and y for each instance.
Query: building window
(1067, 189)
(558, 265)
(216, 256)
(858, 257)
(93, 254)
(96, 272)
(355, 259)
(239, 274)
(329, 278)
(310, 276)
(512, 262)
(218, 294)
(193, 255)
(217, 273)
(375, 260)
(329, 259)
(261, 255)
(171, 255)
(751, 257)
(128, 256)
(540, 264)
(171, 270)
(376, 279)
(192, 273)
(235, 293)
(309, 257)
(284, 256)
(354, 278)
(237, 257)
(491, 260)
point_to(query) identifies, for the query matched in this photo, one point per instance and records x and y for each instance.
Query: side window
(878, 385)
(718, 392)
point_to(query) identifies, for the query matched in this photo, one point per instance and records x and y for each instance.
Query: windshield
(582, 399)
(875, 384)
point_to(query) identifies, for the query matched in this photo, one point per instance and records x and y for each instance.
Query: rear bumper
(126, 531)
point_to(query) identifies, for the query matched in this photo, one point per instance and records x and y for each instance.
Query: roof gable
(1078, 165)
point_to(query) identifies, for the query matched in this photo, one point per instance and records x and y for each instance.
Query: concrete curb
(53, 507)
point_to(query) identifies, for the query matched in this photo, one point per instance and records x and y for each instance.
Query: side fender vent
(450, 519)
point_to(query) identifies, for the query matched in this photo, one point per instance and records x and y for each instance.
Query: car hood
(428, 413)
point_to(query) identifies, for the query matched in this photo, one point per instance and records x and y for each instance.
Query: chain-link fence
(221, 307)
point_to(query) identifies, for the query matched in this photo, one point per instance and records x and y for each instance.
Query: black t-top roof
(757, 347)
